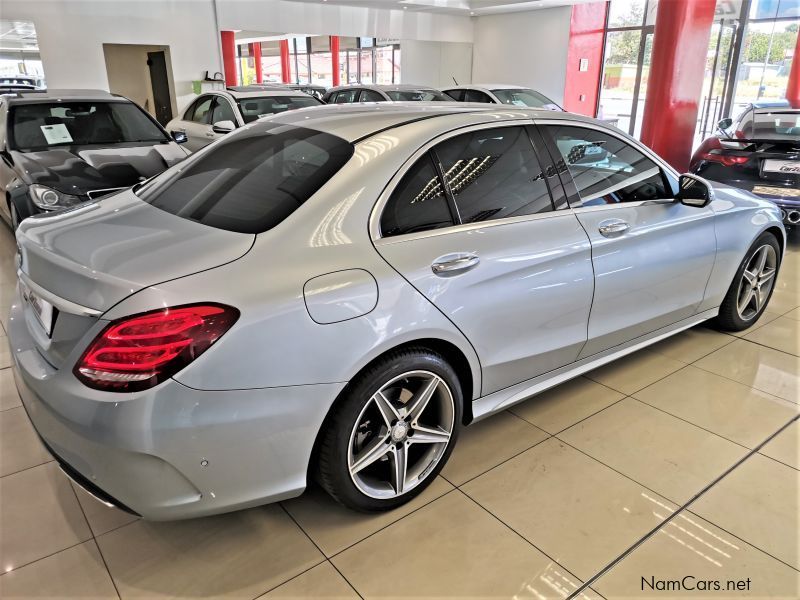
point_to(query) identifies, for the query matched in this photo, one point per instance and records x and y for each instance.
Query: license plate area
(783, 167)
(42, 310)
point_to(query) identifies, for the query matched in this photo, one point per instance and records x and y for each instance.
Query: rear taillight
(712, 150)
(139, 352)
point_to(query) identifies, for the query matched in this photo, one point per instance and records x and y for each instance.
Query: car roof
(779, 109)
(262, 92)
(383, 87)
(25, 96)
(357, 121)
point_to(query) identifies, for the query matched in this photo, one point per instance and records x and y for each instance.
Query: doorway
(142, 73)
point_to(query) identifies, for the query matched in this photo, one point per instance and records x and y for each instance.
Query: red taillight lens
(711, 149)
(139, 352)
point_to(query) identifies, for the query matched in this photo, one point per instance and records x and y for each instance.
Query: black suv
(63, 147)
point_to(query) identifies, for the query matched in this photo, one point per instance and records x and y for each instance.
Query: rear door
(652, 255)
(472, 225)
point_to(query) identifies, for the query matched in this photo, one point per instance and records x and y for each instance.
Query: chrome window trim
(377, 209)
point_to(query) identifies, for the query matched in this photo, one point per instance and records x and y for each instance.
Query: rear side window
(418, 202)
(477, 96)
(250, 181)
(494, 174)
(457, 95)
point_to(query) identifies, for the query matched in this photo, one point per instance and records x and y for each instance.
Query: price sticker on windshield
(56, 134)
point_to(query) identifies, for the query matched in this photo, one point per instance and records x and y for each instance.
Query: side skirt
(502, 399)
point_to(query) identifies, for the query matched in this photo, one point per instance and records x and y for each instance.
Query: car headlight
(49, 199)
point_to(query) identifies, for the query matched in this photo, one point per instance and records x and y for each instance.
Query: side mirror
(180, 137)
(725, 123)
(223, 126)
(694, 191)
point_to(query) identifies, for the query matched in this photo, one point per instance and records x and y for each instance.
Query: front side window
(345, 96)
(371, 96)
(494, 174)
(418, 202)
(44, 125)
(457, 95)
(477, 96)
(201, 111)
(263, 106)
(418, 96)
(606, 169)
(522, 97)
(251, 180)
(223, 112)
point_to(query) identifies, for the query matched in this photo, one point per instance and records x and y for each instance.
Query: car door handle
(613, 227)
(210, 134)
(451, 264)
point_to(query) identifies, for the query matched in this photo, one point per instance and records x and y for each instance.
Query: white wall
(435, 63)
(129, 75)
(523, 48)
(331, 19)
(71, 35)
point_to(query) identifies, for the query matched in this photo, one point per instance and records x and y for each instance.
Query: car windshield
(530, 98)
(263, 106)
(776, 125)
(418, 96)
(251, 180)
(43, 125)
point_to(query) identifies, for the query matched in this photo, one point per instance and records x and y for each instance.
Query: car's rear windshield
(418, 96)
(523, 97)
(251, 180)
(42, 125)
(263, 106)
(776, 125)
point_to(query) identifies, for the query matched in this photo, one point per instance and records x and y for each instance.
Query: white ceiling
(457, 7)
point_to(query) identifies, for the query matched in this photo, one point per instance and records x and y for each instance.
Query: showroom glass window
(253, 181)
(43, 125)
(606, 169)
(418, 203)
(494, 174)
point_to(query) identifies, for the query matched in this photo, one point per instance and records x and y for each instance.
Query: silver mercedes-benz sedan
(333, 293)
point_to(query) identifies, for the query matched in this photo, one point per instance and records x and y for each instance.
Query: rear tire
(752, 286)
(391, 432)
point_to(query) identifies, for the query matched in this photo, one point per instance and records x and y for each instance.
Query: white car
(501, 93)
(213, 114)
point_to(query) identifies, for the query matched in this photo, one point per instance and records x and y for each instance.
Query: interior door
(159, 83)
(472, 226)
(652, 255)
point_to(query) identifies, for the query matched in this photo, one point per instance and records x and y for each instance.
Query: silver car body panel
(237, 426)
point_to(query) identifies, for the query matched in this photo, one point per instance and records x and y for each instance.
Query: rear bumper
(171, 452)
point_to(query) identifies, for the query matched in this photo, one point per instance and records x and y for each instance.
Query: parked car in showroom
(758, 152)
(347, 94)
(337, 292)
(63, 147)
(213, 114)
(317, 91)
(499, 93)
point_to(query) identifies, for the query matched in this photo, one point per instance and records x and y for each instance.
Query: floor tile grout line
(740, 383)
(3, 573)
(744, 339)
(679, 510)
(292, 578)
(325, 556)
(94, 537)
(47, 462)
(518, 534)
(780, 462)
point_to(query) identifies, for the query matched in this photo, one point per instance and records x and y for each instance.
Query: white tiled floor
(586, 483)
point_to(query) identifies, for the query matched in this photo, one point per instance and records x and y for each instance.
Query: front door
(197, 123)
(472, 226)
(652, 255)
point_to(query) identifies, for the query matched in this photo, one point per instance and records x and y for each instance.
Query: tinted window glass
(529, 98)
(223, 112)
(201, 112)
(457, 95)
(254, 108)
(776, 125)
(345, 96)
(607, 170)
(418, 96)
(493, 174)
(371, 96)
(251, 180)
(418, 202)
(476, 96)
(44, 125)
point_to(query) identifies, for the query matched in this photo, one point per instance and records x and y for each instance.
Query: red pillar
(335, 59)
(229, 57)
(586, 39)
(793, 87)
(286, 69)
(680, 46)
(255, 52)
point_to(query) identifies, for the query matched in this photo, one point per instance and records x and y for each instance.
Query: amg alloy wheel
(392, 431)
